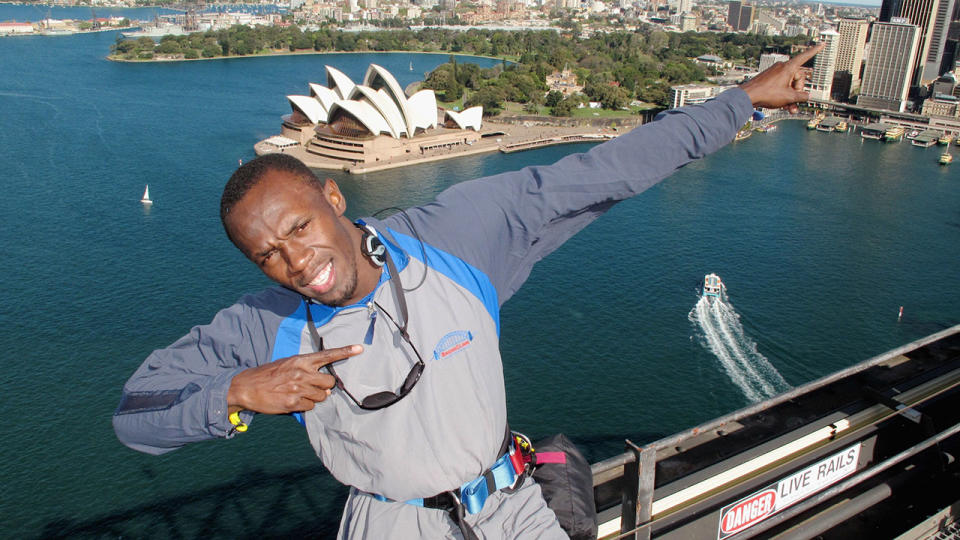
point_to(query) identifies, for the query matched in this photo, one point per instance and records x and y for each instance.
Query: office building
(767, 60)
(740, 16)
(733, 14)
(932, 18)
(691, 94)
(853, 40)
(890, 65)
(821, 79)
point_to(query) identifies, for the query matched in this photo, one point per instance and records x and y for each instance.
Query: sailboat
(146, 195)
(411, 66)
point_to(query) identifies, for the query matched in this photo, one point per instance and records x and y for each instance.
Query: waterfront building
(344, 124)
(15, 28)
(769, 59)
(890, 65)
(941, 105)
(821, 78)
(853, 40)
(932, 18)
(691, 94)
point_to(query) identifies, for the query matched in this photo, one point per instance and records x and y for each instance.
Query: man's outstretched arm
(503, 224)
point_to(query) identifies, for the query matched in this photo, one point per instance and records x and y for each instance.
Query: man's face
(296, 234)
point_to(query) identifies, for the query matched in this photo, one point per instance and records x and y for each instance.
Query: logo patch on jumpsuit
(452, 343)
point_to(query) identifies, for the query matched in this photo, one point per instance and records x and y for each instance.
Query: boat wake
(717, 326)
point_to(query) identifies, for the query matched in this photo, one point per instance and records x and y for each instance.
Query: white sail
(146, 195)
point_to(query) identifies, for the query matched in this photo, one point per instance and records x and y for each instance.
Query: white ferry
(712, 286)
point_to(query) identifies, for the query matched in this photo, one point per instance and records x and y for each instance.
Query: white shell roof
(310, 107)
(336, 80)
(379, 78)
(380, 104)
(471, 118)
(423, 109)
(386, 107)
(365, 113)
(324, 95)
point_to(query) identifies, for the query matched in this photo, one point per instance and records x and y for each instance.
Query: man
(384, 334)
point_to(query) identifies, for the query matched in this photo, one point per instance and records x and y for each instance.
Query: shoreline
(512, 138)
(301, 52)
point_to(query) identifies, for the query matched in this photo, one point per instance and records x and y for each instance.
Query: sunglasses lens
(412, 379)
(379, 400)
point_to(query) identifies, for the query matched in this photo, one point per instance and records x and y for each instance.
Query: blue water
(819, 238)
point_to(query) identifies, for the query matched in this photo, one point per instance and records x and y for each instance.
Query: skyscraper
(748, 14)
(684, 6)
(821, 79)
(767, 60)
(853, 39)
(932, 17)
(733, 14)
(890, 65)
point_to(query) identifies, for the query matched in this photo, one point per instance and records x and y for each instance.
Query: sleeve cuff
(739, 101)
(217, 411)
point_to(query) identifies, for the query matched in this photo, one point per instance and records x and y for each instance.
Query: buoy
(240, 161)
(900, 316)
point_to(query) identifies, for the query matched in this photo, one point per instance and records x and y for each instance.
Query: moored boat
(894, 134)
(946, 158)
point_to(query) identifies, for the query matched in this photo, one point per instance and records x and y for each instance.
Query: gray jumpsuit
(480, 240)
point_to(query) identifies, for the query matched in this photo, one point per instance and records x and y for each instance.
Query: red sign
(748, 512)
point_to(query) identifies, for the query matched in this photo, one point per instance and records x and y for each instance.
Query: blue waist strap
(473, 494)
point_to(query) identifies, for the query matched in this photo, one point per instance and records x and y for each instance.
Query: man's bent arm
(179, 394)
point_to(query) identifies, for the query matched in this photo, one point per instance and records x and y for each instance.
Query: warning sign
(773, 498)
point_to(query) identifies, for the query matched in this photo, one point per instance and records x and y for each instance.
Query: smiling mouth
(323, 281)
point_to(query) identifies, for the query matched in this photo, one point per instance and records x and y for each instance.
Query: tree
(564, 108)
(211, 49)
(170, 46)
(126, 46)
(490, 98)
(553, 98)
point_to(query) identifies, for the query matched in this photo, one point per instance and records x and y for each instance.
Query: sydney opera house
(344, 125)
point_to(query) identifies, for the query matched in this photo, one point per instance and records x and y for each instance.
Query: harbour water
(819, 237)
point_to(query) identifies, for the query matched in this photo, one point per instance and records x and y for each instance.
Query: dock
(829, 123)
(874, 131)
(927, 138)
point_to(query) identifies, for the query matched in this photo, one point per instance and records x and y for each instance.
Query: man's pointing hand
(288, 385)
(781, 85)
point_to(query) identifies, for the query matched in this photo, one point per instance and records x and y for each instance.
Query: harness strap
(471, 495)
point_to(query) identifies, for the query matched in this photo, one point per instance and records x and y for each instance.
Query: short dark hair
(251, 173)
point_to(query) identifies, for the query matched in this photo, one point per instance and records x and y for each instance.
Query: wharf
(829, 123)
(927, 138)
(874, 131)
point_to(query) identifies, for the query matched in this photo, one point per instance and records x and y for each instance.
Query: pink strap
(551, 457)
